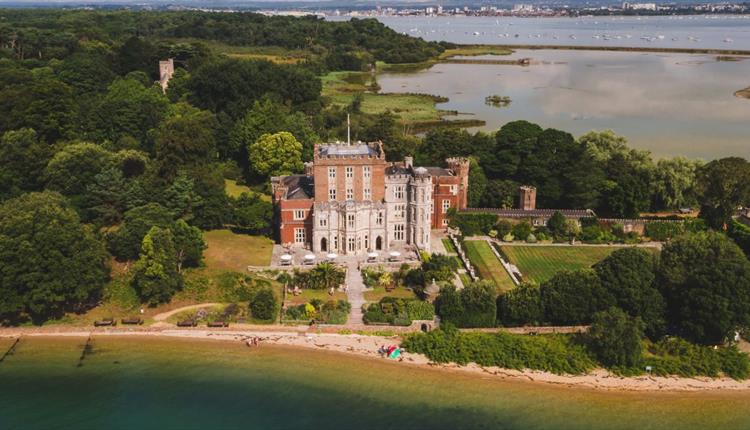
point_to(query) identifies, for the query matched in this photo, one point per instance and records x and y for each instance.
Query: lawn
(233, 189)
(377, 293)
(449, 248)
(539, 263)
(228, 250)
(310, 294)
(487, 265)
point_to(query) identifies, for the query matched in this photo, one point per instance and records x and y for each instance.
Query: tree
(268, 117)
(125, 242)
(499, 194)
(441, 143)
(473, 306)
(184, 140)
(188, 244)
(674, 183)
(22, 161)
(477, 183)
(629, 275)
(74, 167)
(49, 261)
(251, 213)
(155, 275)
(181, 197)
(557, 224)
(263, 305)
(722, 185)
(705, 280)
(130, 109)
(571, 298)
(275, 154)
(615, 337)
(520, 306)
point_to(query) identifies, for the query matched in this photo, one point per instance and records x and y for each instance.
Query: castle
(350, 200)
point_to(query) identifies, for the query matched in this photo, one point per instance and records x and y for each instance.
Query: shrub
(531, 238)
(420, 310)
(615, 337)
(571, 298)
(473, 224)
(556, 353)
(503, 227)
(264, 304)
(662, 231)
(522, 230)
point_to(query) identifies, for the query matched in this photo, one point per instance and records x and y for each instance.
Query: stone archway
(379, 244)
(324, 245)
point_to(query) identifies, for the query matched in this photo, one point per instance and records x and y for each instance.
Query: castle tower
(166, 70)
(527, 198)
(460, 168)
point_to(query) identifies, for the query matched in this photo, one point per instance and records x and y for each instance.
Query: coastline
(710, 51)
(743, 93)
(366, 346)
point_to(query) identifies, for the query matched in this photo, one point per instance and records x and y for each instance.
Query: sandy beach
(744, 93)
(367, 346)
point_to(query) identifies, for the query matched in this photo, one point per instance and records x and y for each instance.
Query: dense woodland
(96, 162)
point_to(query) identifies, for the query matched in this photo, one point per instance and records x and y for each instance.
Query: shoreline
(365, 346)
(708, 51)
(743, 93)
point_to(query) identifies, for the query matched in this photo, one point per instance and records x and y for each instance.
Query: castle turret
(460, 168)
(166, 70)
(527, 198)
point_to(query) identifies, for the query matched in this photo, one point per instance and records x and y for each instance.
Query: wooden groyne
(87, 349)
(10, 350)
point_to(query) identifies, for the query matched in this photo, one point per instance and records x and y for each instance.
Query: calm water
(704, 31)
(671, 104)
(164, 384)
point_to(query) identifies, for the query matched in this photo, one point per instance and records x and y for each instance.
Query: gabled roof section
(299, 187)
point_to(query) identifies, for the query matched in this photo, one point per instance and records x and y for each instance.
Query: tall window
(335, 243)
(349, 171)
(398, 232)
(331, 173)
(350, 221)
(400, 211)
(454, 189)
(398, 192)
(332, 194)
(446, 205)
(299, 235)
(350, 194)
(299, 214)
(351, 244)
(366, 194)
(379, 218)
(323, 222)
(366, 172)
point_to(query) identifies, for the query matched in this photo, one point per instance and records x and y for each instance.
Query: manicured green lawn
(310, 294)
(378, 293)
(540, 263)
(449, 246)
(228, 250)
(488, 266)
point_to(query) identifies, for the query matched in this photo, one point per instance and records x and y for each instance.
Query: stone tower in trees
(527, 200)
(166, 70)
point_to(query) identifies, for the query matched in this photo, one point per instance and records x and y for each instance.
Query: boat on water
(728, 40)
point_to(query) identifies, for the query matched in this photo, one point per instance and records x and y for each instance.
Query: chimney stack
(408, 161)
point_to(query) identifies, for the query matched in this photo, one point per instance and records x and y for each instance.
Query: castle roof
(535, 213)
(343, 150)
(299, 187)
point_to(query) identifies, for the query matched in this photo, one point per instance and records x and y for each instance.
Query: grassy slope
(233, 189)
(539, 263)
(227, 250)
(481, 256)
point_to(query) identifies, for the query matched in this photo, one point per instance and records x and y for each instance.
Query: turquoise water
(147, 383)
